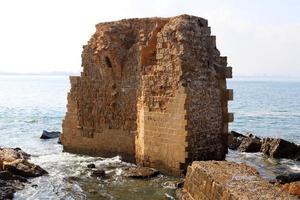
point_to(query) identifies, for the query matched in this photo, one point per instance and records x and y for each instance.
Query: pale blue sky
(260, 37)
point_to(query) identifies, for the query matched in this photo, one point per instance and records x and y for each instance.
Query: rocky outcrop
(153, 91)
(279, 148)
(216, 180)
(14, 170)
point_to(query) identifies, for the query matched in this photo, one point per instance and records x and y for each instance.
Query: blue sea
(30, 104)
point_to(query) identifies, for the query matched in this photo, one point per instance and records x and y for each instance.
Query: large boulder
(140, 172)
(250, 144)
(279, 148)
(50, 134)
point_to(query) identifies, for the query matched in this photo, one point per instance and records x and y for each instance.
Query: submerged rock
(279, 148)
(250, 145)
(50, 135)
(140, 172)
(91, 166)
(98, 173)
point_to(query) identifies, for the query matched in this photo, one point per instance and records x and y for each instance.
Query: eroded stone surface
(152, 90)
(214, 180)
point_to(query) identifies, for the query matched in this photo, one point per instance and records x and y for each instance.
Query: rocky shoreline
(15, 171)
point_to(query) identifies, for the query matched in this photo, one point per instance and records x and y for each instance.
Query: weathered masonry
(152, 90)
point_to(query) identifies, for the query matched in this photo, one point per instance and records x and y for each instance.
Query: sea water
(30, 104)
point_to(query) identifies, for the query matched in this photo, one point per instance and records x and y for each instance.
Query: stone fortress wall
(152, 90)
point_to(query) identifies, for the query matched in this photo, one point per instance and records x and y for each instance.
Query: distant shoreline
(40, 74)
(235, 78)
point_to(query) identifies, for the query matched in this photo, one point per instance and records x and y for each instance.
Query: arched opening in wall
(108, 62)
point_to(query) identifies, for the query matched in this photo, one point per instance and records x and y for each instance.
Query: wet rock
(292, 188)
(15, 161)
(92, 191)
(250, 135)
(98, 173)
(91, 166)
(14, 169)
(6, 175)
(59, 141)
(279, 148)
(236, 134)
(140, 172)
(24, 168)
(235, 139)
(288, 178)
(50, 135)
(250, 145)
(8, 188)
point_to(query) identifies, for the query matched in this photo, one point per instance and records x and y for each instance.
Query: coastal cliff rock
(152, 90)
(216, 180)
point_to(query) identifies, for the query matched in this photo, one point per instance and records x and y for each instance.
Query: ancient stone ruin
(152, 90)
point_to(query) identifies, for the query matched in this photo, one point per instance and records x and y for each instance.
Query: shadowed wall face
(153, 91)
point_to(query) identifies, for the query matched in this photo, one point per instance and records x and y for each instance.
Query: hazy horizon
(260, 38)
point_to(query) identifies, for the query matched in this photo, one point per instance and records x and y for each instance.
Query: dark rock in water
(279, 148)
(235, 143)
(180, 184)
(50, 135)
(98, 173)
(59, 141)
(288, 178)
(140, 172)
(235, 139)
(236, 134)
(91, 166)
(250, 145)
(6, 175)
(250, 135)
